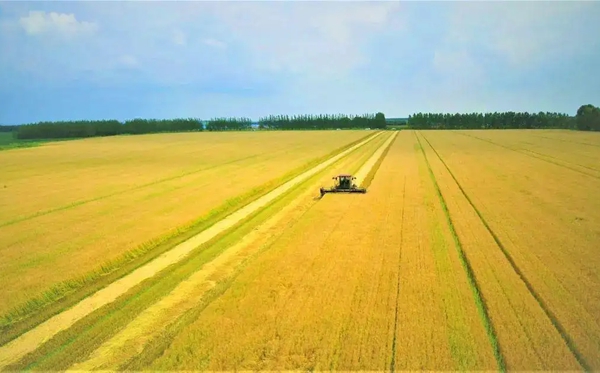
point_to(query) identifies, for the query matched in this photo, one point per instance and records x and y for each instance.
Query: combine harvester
(344, 184)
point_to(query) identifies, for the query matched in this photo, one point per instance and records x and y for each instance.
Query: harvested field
(471, 250)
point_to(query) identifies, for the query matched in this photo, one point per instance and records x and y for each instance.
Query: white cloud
(214, 43)
(40, 22)
(179, 37)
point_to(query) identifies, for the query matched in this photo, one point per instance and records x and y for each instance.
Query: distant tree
(380, 120)
(588, 118)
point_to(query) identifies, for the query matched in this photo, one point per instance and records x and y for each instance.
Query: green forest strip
(553, 319)
(67, 293)
(77, 342)
(96, 128)
(479, 301)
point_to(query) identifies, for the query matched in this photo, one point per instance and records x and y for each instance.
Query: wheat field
(471, 250)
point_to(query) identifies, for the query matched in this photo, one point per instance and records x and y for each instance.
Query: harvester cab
(344, 184)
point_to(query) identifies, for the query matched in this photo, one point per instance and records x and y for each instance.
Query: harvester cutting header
(344, 184)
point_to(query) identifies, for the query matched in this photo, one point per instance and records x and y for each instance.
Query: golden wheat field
(471, 250)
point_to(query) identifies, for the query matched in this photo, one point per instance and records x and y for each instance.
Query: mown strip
(78, 341)
(553, 319)
(479, 301)
(67, 293)
(371, 175)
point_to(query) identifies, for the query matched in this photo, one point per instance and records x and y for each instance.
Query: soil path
(31, 340)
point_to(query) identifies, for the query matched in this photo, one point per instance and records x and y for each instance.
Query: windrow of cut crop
(76, 343)
(527, 336)
(68, 292)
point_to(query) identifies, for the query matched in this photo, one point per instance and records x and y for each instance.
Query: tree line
(322, 122)
(4, 128)
(90, 128)
(507, 120)
(229, 124)
(587, 119)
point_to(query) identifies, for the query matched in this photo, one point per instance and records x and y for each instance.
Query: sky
(93, 60)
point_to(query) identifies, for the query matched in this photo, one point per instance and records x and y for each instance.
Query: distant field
(471, 250)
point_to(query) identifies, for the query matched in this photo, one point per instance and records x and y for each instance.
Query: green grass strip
(479, 301)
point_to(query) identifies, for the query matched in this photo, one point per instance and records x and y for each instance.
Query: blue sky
(121, 60)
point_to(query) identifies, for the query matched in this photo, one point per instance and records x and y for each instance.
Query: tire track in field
(535, 156)
(479, 301)
(393, 360)
(551, 316)
(31, 340)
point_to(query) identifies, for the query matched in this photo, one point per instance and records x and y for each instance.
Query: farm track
(541, 157)
(12, 351)
(549, 314)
